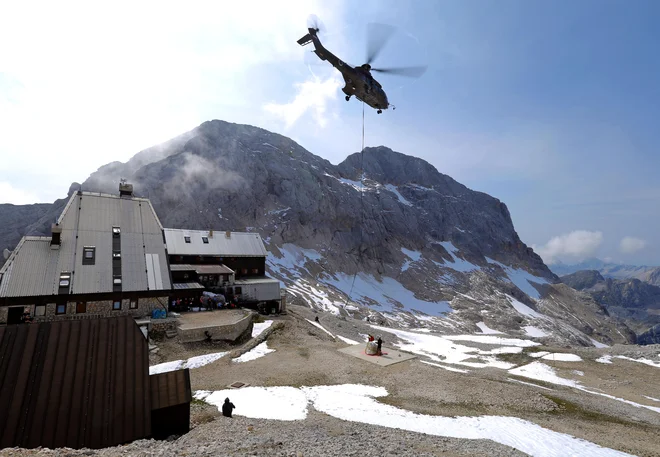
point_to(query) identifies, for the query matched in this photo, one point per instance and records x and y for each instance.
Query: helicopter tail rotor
(314, 25)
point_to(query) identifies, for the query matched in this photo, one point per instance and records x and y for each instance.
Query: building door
(14, 315)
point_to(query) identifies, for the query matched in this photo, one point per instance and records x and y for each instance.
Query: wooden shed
(170, 403)
(82, 383)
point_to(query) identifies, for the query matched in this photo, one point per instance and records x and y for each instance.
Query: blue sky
(550, 106)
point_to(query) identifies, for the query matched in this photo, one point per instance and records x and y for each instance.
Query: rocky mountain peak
(389, 225)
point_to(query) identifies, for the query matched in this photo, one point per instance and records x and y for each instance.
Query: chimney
(56, 234)
(125, 189)
(227, 234)
(211, 233)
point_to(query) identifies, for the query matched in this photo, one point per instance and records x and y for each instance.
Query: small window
(116, 231)
(205, 239)
(133, 304)
(186, 239)
(40, 310)
(255, 271)
(116, 305)
(238, 290)
(116, 280)
(60, 308)
(65, 279)
(81, 307)
(89, 255)
(116, 254)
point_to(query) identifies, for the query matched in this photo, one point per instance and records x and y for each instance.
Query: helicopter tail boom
(307, 38)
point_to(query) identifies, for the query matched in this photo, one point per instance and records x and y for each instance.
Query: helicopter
(360, 83)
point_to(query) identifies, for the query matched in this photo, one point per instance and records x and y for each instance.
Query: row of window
(81, 307)
(89, 255)
(205, 239)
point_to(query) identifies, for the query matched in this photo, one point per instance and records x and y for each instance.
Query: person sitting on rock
(227, 408)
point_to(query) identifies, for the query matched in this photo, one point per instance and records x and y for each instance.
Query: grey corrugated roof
(33, 268)
(239, 244)
(255, 280)
(188, 285)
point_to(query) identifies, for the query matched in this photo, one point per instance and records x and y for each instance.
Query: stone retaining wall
(94, 309)
(228, 332)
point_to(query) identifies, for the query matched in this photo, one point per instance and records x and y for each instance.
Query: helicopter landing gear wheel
(348, 97)
(379, 111)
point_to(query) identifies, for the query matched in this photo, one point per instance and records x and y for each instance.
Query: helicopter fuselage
(359, 82)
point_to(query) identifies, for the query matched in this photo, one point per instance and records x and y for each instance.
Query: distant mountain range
(635, 302)
(647, 274)
(382, 235)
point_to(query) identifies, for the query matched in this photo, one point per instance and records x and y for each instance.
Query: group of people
(202, 302)
(379, 344)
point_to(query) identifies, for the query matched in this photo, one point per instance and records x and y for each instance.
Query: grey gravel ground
(319, 435)
(305, 355)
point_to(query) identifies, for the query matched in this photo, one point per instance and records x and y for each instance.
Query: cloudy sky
(552, 107)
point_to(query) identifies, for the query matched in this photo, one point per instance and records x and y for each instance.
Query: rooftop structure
(81, 383)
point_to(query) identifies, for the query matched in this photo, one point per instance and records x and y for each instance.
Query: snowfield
(357, 403)
(192, 362)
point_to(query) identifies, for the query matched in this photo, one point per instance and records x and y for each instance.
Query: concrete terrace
(225, 324)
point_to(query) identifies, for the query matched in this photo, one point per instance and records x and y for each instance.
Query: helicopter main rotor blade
(412, 72)
(377, 37)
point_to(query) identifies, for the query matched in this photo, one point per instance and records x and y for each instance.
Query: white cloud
(630, 245)
(313, 95)
(10, 194)
(576, 245)
(83, 84)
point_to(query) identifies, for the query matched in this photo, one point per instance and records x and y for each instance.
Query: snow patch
(542, 372)
(604, 359)
(255, 353)
(347, 340)
(443, 349)
(493, 340)
(538, 354)
(524, 309)
(389, 294)
(529, 384)
(259, 327)
(357, 185)
(521, 278)
(458, 264)
(644, 361)
(598, 344)
(457, 370)
(562, 357)
(316, 324)
(396, 192)
(192, 362)
(281, 403)
(357, 403)
(487, 330)
(534, 332)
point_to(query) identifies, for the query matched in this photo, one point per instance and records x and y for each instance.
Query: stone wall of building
(94, 309)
